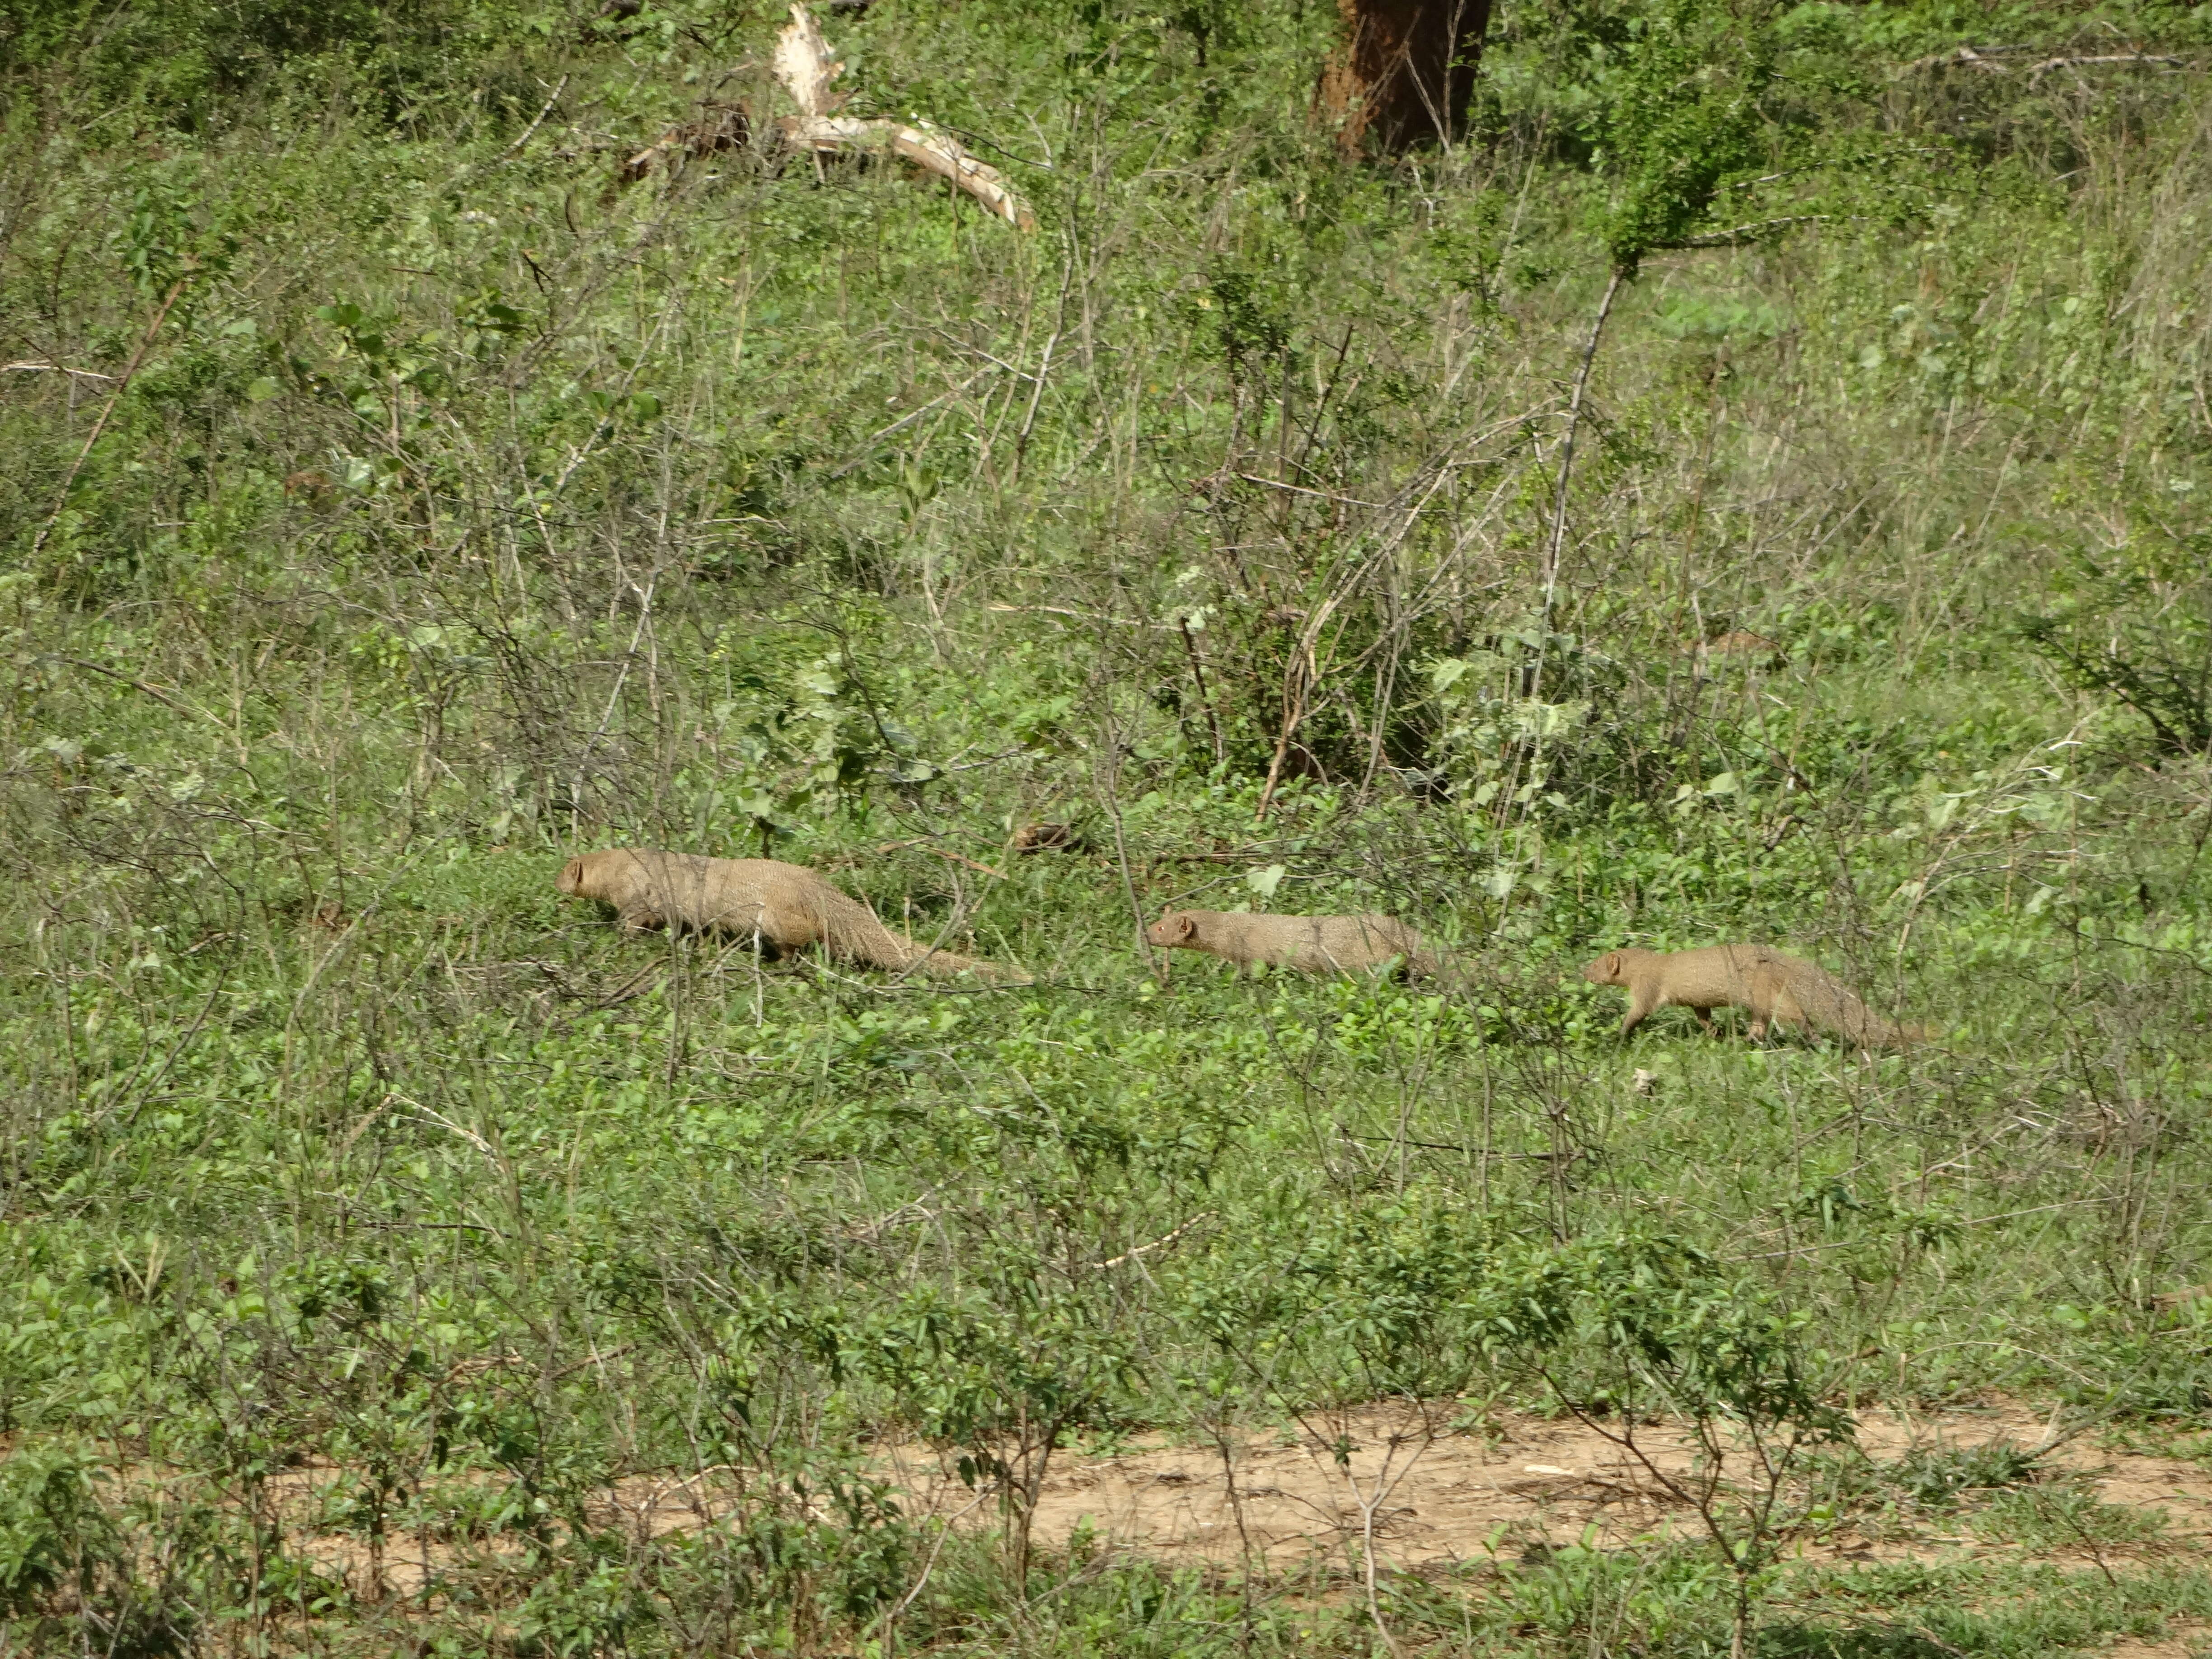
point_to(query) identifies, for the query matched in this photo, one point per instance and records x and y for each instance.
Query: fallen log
(807, 67)
(938, 153)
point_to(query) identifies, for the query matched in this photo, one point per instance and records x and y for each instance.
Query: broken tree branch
(938, 152)
(806, 67)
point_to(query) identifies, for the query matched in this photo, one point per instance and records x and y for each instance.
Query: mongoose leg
(1640, 1004)
(642, 920)
(1758, 1030)
(1705, 1018)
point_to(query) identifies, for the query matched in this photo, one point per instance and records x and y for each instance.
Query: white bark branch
(805, 64)
(807, 67)
(939, 153)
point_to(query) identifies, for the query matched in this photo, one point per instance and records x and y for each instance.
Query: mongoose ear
(1613, 965)
(572, 873)
(1185, 926)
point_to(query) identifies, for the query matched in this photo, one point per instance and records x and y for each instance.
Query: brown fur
(1313, 945)
(1778, 989)
(311, 487)
(1050, 838)
(783, 906)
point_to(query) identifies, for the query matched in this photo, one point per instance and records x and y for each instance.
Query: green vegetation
(394, 502)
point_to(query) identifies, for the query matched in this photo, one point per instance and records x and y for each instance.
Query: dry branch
(1166, 1239)
(53, 368)
(1985, 59)
(1962, 57)
(2138, 57)
(805, 66)
(938, 852)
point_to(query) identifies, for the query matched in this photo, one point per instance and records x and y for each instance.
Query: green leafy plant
(1655, 1330)
(55, 1535)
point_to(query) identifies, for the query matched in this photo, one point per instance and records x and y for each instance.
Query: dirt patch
(1426, 1492)
(414, 1559)
(1422, 1487)
(2183, 1642)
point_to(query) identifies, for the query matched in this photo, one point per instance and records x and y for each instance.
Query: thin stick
(157, 695)
(938, 852)
(517, 145)
(1044, 366)
(53, 368)
(1169, 1238)
(1567, 459)
(929, 1565)
(122, 385)
(1122, 853)
(1204, 697)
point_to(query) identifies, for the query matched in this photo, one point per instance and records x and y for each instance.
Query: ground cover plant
(1752, 484)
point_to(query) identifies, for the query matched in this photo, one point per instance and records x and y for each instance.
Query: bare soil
(1428, 1493)
(1421, 1487)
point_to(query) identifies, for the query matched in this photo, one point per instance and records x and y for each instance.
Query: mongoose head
(1606, 970)
(1174, 928)
(572, 877)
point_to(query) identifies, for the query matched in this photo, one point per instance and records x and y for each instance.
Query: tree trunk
(1404, 73)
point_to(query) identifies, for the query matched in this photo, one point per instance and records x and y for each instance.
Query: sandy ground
(1428, 1495)
(1421, 1487)
(2180, 1644)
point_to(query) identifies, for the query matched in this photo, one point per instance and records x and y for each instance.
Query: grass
(468, 508)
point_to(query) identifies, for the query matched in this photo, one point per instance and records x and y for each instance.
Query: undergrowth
(376, 1218)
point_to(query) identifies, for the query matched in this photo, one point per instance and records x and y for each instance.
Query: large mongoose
(783, 906)
(1779, 989)
(1312, 945)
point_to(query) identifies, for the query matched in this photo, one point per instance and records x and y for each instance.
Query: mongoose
(311, 487)
(1313, 945)
(783, 906)
(1739, 642)
(1778, 989)
(1050, 838)
(1738, 646)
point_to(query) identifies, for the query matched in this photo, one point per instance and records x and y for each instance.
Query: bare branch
(938, 152)
(805, 66)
